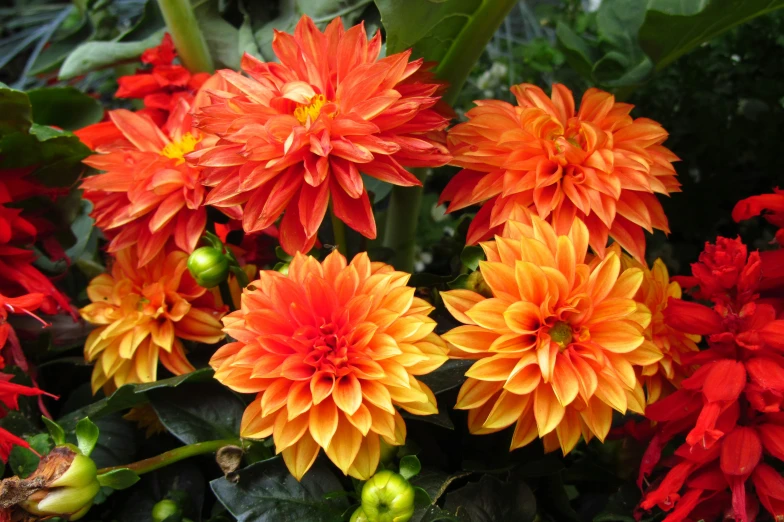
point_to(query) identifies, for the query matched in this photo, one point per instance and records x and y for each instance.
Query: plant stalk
(469, 45)
(401, 223)
(170, 457)
(187, 36)
(339, 233)
(225, 292)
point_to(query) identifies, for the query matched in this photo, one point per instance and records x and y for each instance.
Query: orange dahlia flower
(655, 291)
(296, 134)
(541, 157)
(557, 342)
(143, 313)
(330, 350)
(147, 194)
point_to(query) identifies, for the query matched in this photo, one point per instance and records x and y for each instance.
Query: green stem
(188, 39)
(172, 456)
(339, 233)
(401, 223)
(225, 293)
(468, 46)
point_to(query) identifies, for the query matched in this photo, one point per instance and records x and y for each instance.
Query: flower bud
(387, 497)
(476, 282)
(164, 509)
(64, 485)
(208, 266)
(359, 516)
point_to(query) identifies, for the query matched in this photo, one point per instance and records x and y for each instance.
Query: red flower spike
(769, 486)
(769, 206)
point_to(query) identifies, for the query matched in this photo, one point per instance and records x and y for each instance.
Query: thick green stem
(401, 223)
(456, 65)
(188, 39)
(339, 233)
(172, 456)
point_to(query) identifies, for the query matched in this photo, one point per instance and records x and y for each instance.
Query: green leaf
(200, 413)
(471, 256)
(23, 461)
(267, 492)
(96, 55)
(435, 482)
(16, 110)
(122, 478)
(380, 189)
(86, 435)
(452, 33)
(55, 430)
(64, 107)
(694, 22)
(129, 396)
(410, 466)
(450, 375)
(222, 38)
(491, 500)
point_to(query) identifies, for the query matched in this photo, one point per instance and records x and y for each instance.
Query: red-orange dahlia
(331, 349)
(143, 313)
(557, 342)
(542, 157)
(147, 194)
(298, 133)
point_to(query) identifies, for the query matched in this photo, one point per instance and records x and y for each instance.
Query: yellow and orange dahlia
(557, 342)
(667, 373)
(296, 134)
(544, 158)
(147, 194)
(142, 314)
(332, 350)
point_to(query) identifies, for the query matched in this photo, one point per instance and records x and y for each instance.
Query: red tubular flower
(147, 195)
(769, 206)
(547, 158)
(164, 84)
(18, 276)
(730, 408)
(9, 398)
(296, 134)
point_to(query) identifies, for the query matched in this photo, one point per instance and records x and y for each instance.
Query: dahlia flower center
(311, 110)
(329, 347)
(178, 149)
(561, 334)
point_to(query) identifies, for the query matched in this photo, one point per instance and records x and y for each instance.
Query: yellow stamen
(178, 149)
(311, 110)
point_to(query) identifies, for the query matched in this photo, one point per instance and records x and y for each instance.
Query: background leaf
(208, 411)
(266, 492)
(64, 107)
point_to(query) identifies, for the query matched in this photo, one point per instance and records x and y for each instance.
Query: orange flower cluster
(330, 350)
(333, 349)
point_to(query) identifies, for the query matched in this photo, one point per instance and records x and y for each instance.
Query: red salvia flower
(769, 206)
(296, 134)
(730, 408)
(162, 85)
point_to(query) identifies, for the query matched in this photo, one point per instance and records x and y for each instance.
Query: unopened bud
(208, 266)
(64, 485)
(476, 282)
(387, 497)
(359, 516)
(165, 509)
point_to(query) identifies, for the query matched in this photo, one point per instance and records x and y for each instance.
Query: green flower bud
(164, 509)
(387, 497)
(64, 485)
(208, 266)
(476, 282)
(359, 516)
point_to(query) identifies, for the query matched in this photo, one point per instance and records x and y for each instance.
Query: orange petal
(366, 461)
(323, 422)
(344, 447)
(547, 410)
(301, 456)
